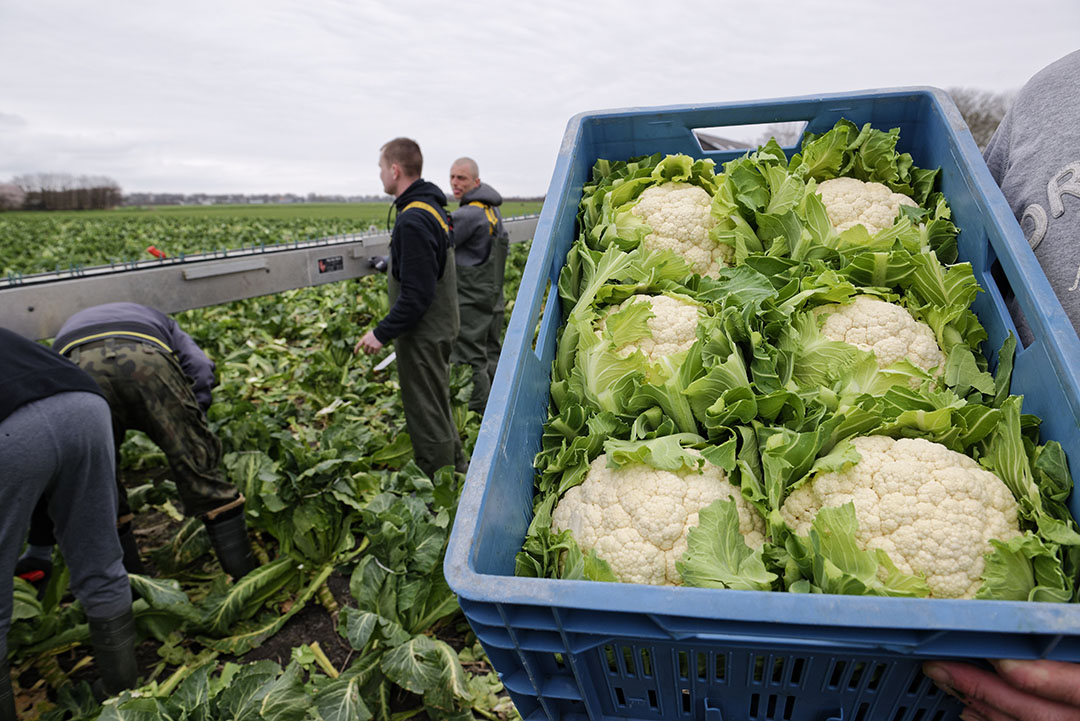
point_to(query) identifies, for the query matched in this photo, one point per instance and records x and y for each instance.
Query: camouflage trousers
(148, 391)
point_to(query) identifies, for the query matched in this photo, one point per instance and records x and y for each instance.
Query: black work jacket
(30, 371)
(418, 246)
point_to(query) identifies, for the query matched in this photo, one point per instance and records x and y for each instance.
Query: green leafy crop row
(316, 440)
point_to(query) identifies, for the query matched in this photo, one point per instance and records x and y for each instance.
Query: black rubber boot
(7, 696)
(113, 641)
(132, 562)
(228, 535)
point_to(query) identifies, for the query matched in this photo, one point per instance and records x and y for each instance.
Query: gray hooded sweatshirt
(1035, 157)
(472, 229)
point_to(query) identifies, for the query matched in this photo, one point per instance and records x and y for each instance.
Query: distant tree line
(245, 199)
(60, 191)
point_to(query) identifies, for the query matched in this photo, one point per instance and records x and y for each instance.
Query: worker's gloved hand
(379, 262)
(36, 572)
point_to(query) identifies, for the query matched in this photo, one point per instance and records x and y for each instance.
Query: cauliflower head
(888, 330)
(680, 217)
(637, 517)
(673, 327)
(931, 509)
(850, 202)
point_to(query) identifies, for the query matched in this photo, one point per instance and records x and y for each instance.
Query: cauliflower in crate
(850, 202)
(885, 329)
(671, 326)
(637, 517)
(656, 203)
(932, 510)
(633, 355)
(680, 218)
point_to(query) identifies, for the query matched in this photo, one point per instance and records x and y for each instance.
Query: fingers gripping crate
(589, 650)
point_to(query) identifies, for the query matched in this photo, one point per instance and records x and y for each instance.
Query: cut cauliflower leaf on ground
(850, 202)
(933, 511)
(885, 329)
(636, 517)
(678, 217)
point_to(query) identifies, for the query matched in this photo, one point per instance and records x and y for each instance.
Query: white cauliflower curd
(637, 517)
(680, 218)
(889, 331)
(673, 327)
(932, 510)
(850, 202)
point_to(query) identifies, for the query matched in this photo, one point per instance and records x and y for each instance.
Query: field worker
(1035, 157)
(56, 438)
(480, 248)
(423, 317)
(157, 380)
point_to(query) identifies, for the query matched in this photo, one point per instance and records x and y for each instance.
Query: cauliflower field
(348, 616)
(770, 377)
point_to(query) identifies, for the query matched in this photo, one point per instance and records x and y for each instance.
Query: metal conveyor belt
(36, 305)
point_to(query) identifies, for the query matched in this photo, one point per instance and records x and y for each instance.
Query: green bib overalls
(423, 361)
(482, 306)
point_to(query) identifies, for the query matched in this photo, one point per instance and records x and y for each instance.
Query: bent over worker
(56, 439)
(157, 380)
(423, 317)
(480, 248)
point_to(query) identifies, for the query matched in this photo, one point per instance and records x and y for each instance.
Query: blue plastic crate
(588, 650)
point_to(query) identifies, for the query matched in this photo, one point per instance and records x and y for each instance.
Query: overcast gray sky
(278, 96)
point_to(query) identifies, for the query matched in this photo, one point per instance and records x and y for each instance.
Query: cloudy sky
(278, 96)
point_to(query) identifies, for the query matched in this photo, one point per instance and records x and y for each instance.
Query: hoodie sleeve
(196, 364)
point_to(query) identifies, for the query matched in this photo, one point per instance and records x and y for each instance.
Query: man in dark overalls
(423, 317)
(157, 380)
(480, 248)
(56, 440)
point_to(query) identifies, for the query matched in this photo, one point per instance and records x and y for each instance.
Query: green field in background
(37, 242)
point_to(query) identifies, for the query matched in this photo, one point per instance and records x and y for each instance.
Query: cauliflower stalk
(850, 202)
(933, 511)
(636, 517)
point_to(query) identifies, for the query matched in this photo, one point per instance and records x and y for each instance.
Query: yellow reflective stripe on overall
(424, 206)
(493, 222)
(115, 334)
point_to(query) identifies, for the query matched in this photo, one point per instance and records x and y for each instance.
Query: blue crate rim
(721, 604)
(946, 105)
